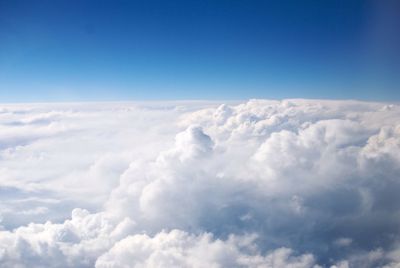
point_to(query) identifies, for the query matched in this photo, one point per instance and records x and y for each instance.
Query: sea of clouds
(292, 183)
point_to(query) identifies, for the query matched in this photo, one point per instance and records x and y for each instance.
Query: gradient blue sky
(207, 49)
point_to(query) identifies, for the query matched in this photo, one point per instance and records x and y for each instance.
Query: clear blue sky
(201, 49)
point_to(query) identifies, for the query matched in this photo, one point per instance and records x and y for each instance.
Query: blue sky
(205, 49)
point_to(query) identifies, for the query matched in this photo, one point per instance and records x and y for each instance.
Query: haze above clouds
(292, 183)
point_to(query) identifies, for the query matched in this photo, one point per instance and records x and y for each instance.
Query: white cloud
(180, 249)
(259, 184)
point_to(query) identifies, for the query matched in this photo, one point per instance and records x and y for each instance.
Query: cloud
(180, 249)
(293, 183)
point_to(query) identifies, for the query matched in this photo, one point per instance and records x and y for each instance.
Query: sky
(156, 50)
(209, 133)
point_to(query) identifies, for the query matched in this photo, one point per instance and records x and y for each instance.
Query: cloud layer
(293, 183)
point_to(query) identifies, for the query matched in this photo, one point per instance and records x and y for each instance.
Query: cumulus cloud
(179, 249)
(293, 183)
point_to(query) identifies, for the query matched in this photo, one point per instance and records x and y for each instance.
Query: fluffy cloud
(179, 249)
(294, 183)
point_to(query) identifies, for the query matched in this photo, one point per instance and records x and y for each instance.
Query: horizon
(200, 133)
(187, 101)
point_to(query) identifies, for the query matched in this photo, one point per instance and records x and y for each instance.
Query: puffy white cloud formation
(179, 249)
(293, 183)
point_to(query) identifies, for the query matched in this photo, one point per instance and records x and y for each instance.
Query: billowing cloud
(293, 183)
(179, 249)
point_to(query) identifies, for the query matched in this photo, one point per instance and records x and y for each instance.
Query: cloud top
(293, 183)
